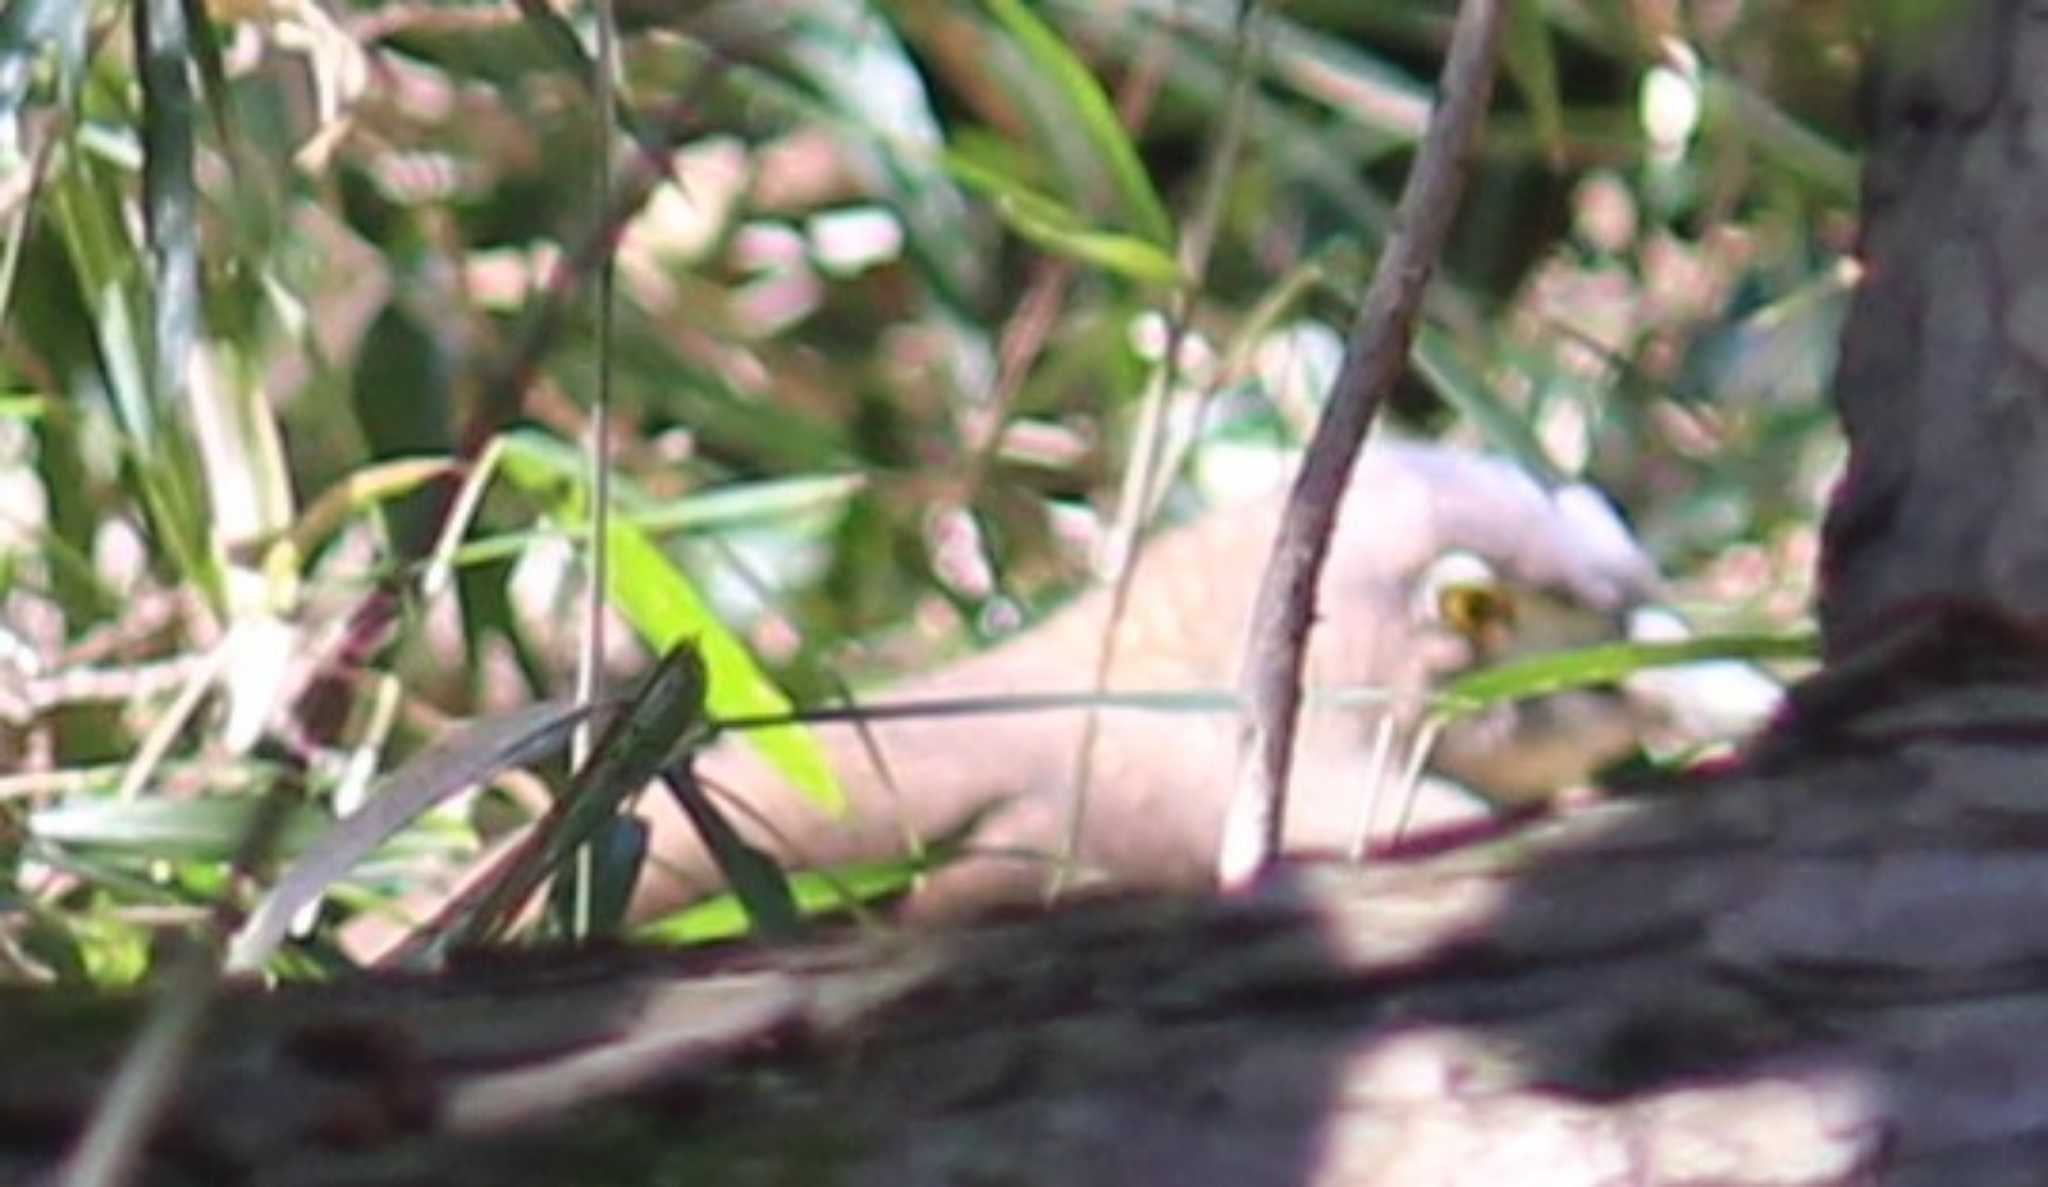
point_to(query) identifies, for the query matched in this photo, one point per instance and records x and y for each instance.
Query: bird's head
(1474, 563)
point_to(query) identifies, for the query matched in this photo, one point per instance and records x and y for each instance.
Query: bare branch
(1278, 631)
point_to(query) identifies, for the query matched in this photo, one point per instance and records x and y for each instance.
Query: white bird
(1443, 560)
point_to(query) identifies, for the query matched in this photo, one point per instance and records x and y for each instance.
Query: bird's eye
(1462, 592)
(1478, 612)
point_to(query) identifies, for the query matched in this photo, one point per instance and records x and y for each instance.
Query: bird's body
(1158, 781)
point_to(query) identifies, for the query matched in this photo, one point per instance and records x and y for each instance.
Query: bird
(1443, 560)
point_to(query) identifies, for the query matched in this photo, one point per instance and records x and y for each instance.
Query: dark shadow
(1635, 982)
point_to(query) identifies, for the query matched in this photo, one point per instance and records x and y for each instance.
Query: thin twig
(38, 695)
(1378, 350)
(590, 663)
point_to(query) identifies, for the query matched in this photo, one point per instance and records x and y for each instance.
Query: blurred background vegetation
(302, 338)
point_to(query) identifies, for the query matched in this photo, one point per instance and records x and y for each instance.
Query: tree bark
(1833, 975)
(1943, 382)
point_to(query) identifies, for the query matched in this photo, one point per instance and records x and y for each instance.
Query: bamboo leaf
(758, 885)
(177, 830)
(1059, 229)
(665, 608)
(1143, 212)
(1558, 671)
(666, 712)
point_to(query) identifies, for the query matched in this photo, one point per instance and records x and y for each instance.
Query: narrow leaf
(1540, 675)
(180, 830)
(757, 883)
(618, 851)
(1058, 229)
(665, 608)
(668, 709)
(1143, 212)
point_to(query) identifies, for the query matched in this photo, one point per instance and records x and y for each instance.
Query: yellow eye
(1478, 612)
(1462, 593)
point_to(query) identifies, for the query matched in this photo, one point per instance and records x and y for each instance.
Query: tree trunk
(1831, 967)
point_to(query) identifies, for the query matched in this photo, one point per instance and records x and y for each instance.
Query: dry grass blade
(471, 755)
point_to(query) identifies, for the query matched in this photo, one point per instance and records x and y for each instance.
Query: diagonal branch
(1278, 632)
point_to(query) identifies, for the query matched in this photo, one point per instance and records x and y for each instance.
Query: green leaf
(170, 196)
(86, 194)
(361, 488)
(758, 884)
(665, 608)
(824, 891)
(724, 917)
(401, 392)
(194, 830)
(1143, 212)
(667, 711)
(618, 851)
(738, 505)
(1558, 671)
(113, 952)
(1059, 229)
